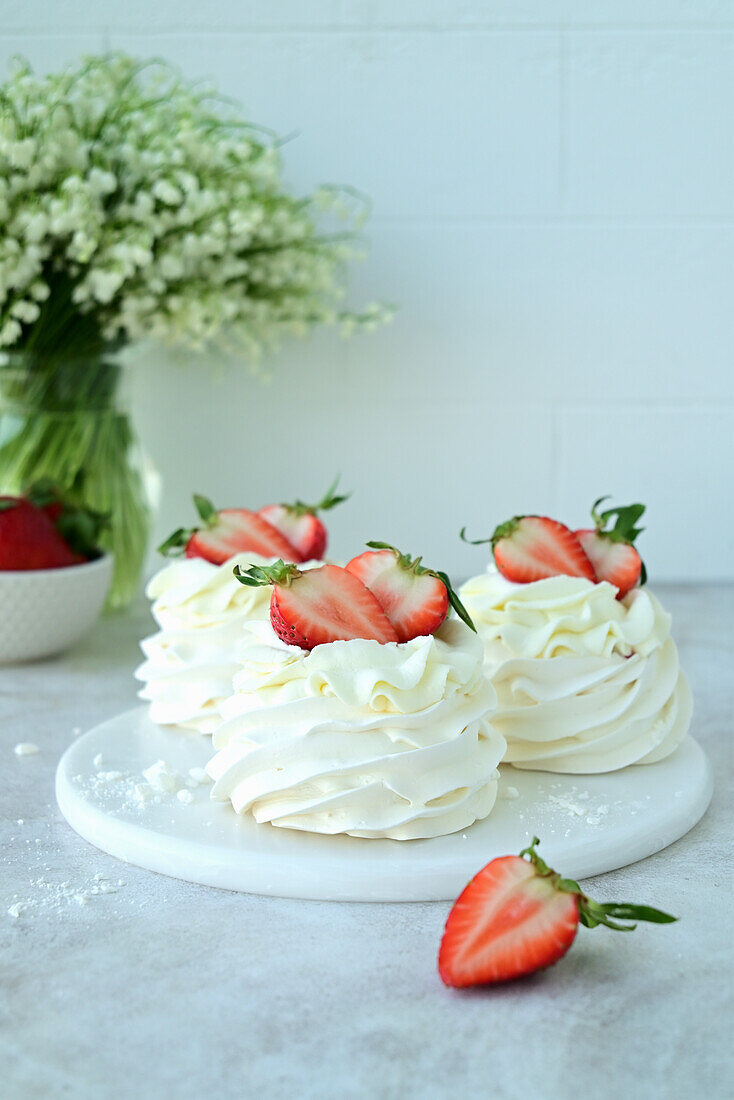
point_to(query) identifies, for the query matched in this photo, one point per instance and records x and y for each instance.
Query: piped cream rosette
(201, 610)
(359, 737)
(585, 682)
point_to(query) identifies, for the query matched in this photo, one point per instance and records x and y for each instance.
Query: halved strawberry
(29, 540)
(531, 548)
(321, 605)
(300, 523)
(226, 533)
(517, 916)
(415, 599)
(611, 552)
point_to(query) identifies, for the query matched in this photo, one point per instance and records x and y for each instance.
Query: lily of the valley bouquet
(135, 205)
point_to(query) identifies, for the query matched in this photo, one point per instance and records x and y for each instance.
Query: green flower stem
(87, 451)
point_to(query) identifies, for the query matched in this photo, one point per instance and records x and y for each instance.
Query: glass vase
(63, 418)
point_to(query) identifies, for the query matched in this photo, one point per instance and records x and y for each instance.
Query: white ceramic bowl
(43, 611)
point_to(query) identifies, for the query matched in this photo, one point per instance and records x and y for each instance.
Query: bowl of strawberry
(53, 575)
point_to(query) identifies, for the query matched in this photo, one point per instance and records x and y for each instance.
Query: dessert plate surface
(587, 824)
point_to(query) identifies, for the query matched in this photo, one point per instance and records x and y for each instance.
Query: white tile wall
(553, 194)
(649, 123)
(689, 456)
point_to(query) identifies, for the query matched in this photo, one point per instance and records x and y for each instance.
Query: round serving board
(587, 824)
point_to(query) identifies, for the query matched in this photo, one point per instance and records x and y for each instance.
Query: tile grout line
(568, 220)
(562, 122)
(359, 30)
(555, 456)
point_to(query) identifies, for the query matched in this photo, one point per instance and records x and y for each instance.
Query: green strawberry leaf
(206, 509)
(174, 545)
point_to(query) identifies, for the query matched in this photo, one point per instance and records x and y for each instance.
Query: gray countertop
(117, 982)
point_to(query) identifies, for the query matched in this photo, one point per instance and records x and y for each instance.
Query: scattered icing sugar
(576, 804)
(56, 897)
(199, 775)
(134, 791)
(564, 803)
(509, 793)
(162, 777)
(26, 748)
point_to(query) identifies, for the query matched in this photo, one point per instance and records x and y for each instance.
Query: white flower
(167, 193)
(101, 182)
(9, 333)
(103, 285)
(36, 227)
(165, 211)
(25, 311)
(21, 153)
(39, 291)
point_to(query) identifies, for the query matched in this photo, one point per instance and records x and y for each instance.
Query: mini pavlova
(581, 657)
(360, 707)
(200, 608)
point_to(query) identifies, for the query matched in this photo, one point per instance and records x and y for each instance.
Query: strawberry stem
(327, 502)
(472, 542)
(593, 913)
(503, 531)
(625, 527)
(257, 576)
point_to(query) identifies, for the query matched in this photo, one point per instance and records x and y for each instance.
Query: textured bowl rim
(105, 560)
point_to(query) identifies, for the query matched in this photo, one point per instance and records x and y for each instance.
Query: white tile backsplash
(553, 211)
(649, 123)
(676, 460)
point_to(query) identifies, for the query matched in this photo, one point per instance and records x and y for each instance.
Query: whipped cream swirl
(585, 682)
(358, 737)
(201, 609)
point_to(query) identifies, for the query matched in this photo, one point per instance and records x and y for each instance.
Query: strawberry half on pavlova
(200, 608)
(361, 707)
(580, 654)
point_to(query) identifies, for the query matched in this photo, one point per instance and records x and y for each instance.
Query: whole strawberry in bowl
(53, 577)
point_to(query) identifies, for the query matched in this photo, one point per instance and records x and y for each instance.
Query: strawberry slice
(415, 599)
(517, 916)
(611, 551)
(321, 605)
(226, 533)
(531, 548)
(300, 523)
(29, 540)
